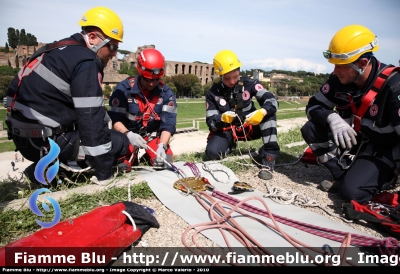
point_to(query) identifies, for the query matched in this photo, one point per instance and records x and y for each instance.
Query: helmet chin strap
(359, 70)
(93, 47)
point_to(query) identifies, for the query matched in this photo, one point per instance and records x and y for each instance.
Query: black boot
(268, 164)
(330, 186)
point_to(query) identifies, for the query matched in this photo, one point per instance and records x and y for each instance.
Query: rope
(194, 168)
(285, 197)
(222, 220)
(335, 235)
(174, 168)
(130, 218)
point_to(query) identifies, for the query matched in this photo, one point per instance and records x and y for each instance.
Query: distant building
(276, 79)
(258, 75)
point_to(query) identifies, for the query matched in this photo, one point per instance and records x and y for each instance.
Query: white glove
(255, 117)
(228, 116)
(136, 140)
(161, 155)
(102, 182)
(343, 133)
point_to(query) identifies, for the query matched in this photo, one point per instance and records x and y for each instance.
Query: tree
(34, 40)
(196, 90)
(7, 74)
(208, 86)
(129, 69)
(107, 91)
(23, 39)
(13, 39)
(184, 84)
(6, 48)
(29, 41)
(17, 34)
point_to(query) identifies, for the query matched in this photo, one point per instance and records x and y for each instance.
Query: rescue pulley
(192, 185)
(240, 187)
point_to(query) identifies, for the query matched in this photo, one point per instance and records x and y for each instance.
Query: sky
(264, 34)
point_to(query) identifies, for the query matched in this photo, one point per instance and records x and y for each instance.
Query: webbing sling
(383, 76)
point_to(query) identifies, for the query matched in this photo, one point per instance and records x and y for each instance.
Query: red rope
(222, 220)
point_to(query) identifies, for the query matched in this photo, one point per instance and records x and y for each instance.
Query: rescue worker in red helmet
(353, 132)
(58, 95)
(229, 105)
(145, 109)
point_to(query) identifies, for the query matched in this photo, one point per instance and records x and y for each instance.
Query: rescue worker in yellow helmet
(231, 115)
(60, 97)
(355, 133)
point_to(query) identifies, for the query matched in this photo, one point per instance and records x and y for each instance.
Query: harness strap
(368, 151)
(247, 130)
(29, 130)
(369, 98)
(147, 108)
(239, 100)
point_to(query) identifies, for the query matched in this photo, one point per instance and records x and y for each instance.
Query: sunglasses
(151, 80)
(110, 46)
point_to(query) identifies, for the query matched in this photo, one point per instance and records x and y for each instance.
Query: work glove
(136, 140)
(255, 117)
(343, 133)
(228, 116)
(161, 155)
(105, 182)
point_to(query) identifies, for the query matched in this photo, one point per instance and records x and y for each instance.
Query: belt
(28, 130)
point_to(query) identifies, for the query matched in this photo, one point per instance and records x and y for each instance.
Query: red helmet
(150, 63)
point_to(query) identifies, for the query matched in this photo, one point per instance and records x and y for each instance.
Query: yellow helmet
(105, 19)
(225, 61)
(349, 44)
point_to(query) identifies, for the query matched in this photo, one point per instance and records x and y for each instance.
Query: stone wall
(205, 72)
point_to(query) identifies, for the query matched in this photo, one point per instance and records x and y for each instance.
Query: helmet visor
(344, 56)
(154, 71)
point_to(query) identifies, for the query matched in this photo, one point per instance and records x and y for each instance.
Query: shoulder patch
(246, 95)
(325, 89)
(373, 110)
(131, 81)
(171, 104)
(259, 87)
(115, 102)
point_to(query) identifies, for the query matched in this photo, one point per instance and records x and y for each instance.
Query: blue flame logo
(45, 177)
(44, 162)
(36, 210)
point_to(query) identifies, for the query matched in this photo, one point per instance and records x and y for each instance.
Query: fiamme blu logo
(45, 171)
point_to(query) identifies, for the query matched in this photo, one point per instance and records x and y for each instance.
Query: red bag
(105, 231)
(383, 211)
(309, 157)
